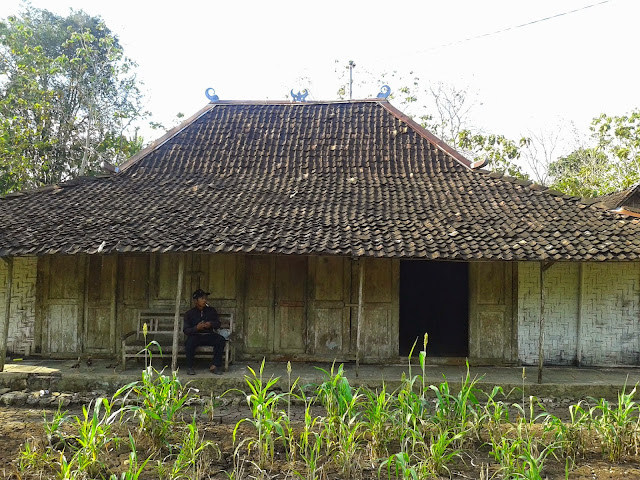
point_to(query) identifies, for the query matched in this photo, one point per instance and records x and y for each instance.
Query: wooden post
(7, 312)
(176, 318)
(579, 323)
(359, 327)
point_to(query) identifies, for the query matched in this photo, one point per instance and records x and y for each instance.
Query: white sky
(569, 68)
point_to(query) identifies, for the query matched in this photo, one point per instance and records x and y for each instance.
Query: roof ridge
(163, 139)
(292, 102)
(543, 189)
(56, 186)
(433, 139)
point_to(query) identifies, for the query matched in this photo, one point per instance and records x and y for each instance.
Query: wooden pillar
(543, 266)
(579, 323)
(176, 318)
(359, 327)
(541, 336)
(7, 313)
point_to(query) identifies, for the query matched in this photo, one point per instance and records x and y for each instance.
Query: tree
(69, 98)
(610, 163)
(499, 152)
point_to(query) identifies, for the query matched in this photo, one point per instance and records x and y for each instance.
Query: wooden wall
(492, 305)
(294, 307)
(286, 307)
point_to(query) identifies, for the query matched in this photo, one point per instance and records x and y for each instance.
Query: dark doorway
(434, 298)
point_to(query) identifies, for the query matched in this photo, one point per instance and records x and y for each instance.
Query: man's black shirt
(194, 316)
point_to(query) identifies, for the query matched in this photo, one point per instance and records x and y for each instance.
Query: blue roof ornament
(299, 97)
(211, 94)
(385, 91)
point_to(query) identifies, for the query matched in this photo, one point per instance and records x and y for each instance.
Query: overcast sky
(568, 68)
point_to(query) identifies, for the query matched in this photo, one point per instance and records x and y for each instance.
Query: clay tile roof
(339, 178)
(624, 198)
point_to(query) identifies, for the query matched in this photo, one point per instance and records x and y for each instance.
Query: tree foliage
(611, 163)
(68, 98)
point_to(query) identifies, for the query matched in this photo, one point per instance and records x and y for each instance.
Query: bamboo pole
(7, 312)
(541, 336)
(176, 318)
(359, 327)
(579, 323)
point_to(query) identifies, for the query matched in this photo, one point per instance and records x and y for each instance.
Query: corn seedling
(267, 419)
(441, 452)
(335, 393)
(135, 469)
(460, 411)
(161, 400)
(344, 436)
(53, 428)
(377, 409)
(571, 436)
(402, 467)
(30, 457)
(617, 426)
(185, 465)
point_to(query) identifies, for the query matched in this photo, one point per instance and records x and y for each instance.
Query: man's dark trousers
(212, 339)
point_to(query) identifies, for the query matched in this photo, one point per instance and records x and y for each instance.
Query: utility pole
(351, 66)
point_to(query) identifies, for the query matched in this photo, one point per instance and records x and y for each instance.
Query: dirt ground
(17, 424)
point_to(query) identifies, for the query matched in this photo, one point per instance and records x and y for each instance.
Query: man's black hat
(199, 293)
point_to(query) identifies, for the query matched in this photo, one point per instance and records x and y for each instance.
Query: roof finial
(385, 91)
(299, 97)
(211, 94)
(351, 66)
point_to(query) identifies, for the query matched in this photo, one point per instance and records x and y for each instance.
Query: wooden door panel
(328, 330)
(258, 329)
(63, 328)
(99, 322)
(490, 308)
(98, 330)
(330, 315)
(376, 331)
(258, 326)
(290, 314)
(491, 324)
(292, 329)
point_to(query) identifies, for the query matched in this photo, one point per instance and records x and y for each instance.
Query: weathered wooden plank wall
(491, 313)
(285, 306)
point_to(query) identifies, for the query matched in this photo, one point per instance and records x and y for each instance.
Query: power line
(488, 34)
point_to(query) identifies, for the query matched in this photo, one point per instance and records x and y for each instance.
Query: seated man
(200, 326)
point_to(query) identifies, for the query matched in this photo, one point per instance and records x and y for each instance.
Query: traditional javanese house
(330, 230)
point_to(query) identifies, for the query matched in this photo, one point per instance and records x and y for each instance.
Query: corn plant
(66, 471)
(161, 400)
(344, 435)
(402, 467)
(267, 419)
(494, 414)
(460, 411)
(94, 435)
(441, 452)
(30, 457)
(53, 427)
(135, 469)
(310, 444)
(571, 436)
(185, 465)
(617, 426)
(377, 408)
(334, 393)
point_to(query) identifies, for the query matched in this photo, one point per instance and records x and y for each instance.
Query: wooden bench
(160, 328)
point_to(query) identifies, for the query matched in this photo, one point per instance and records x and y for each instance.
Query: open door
(434, 298)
